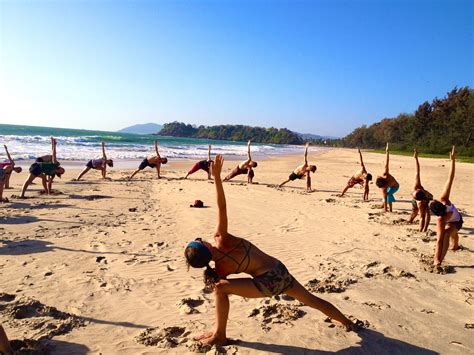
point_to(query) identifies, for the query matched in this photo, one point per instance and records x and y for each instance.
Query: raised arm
(209, 153)
(9, 156)
(387, 158)
(361, 160)
(306, 153)
(449, 182)
(156, 149)
(104, 156)
(249, 157)
(417, 175)
(221, 204)
(53, 142)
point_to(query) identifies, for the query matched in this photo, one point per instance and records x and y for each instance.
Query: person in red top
(202, 165)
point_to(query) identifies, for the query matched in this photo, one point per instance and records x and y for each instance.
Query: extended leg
(134, 173)
(284, 182)
(303, 295)
(26, 184)
(86, 169)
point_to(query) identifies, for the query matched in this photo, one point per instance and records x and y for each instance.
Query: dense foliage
(232, 132)
(433, 128)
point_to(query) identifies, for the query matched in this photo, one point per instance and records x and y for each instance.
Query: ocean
(29, 142)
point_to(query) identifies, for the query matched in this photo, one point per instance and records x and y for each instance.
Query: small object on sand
(132, 209)
(197, 204)
(99, 259)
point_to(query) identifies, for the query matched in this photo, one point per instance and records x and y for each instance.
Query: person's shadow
(372, 342)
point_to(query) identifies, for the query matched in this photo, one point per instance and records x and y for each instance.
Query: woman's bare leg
(455, 239)
(240, 287)
(5, 347)
(26, 184)
(86, 169)
(447, 236)
(303, 295)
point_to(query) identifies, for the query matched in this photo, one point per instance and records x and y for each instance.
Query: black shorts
(35, 169)
(145, 163)
(293, 176)
(458, 224)
(89, 164)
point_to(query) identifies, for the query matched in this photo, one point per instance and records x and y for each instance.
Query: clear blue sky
(313, 66)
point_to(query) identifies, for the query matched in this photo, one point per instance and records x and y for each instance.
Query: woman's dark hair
(369, 177)
(164, 160)
(253, 164)
(198, 259)
(419, 195)
(110, 163)
(437, 208)
(313, 168)
(381, 182)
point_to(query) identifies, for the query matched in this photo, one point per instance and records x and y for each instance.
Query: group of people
(235, 255)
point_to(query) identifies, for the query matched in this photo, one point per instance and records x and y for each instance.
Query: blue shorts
(390, 191)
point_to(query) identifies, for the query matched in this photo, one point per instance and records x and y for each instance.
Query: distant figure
(202, 165)
(153, 161)
(244, 167)
(302, 170)
(98, 164)
(44, 170)
(449, 219)
(421, 198)
(388, 184)
(361, 177)
(9, 162)
(233, 255)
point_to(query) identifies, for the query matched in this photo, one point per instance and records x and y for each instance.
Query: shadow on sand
(371, 342)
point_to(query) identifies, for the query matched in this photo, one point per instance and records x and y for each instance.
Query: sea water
(29, 142)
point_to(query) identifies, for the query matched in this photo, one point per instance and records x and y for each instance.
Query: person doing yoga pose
(449, 220)
(234, 255)
(244, 167)
(361, 177)
(301, 171)
(45, 171)
(98, 164)
(421, 198)
(8, 172)
(388, 184)
(202, 165)
(153, 161)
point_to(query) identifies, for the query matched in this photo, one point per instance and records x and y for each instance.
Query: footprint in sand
(34, 319)
(375, 269)
(331, 284)
(189, 305)
(427, 263)
(277, 313)
(168, 338)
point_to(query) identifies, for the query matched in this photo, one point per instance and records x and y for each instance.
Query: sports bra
(239, 264)
(456, 216)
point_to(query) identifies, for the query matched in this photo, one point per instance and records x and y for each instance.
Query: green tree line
(233, 133)
(433, 128)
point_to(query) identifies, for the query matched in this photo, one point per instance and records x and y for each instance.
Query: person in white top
(449, 219)
(98, 164)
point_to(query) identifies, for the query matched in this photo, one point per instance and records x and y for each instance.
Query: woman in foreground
(233, 255)
(449, 219)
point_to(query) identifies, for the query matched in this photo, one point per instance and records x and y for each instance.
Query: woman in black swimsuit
(233, 255)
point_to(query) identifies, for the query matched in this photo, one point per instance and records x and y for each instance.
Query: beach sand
(91, 268)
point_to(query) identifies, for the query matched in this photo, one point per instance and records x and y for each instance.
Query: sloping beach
(108, 256)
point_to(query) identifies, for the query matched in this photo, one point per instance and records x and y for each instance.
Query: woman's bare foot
(204, 336)
(214, 339)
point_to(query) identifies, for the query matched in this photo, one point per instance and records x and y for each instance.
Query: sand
(99, 267)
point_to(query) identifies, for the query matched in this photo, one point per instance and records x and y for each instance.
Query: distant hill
(146, 128)
(310, 136)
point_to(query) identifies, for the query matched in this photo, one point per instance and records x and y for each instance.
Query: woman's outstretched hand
(453, 153)
(216, 166)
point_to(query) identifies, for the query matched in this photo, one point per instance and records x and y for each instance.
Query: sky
(322, 67)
